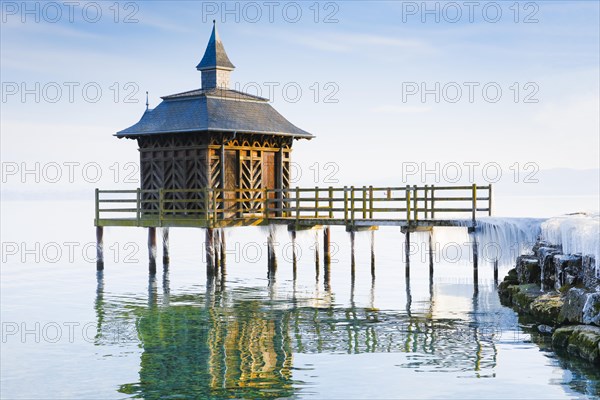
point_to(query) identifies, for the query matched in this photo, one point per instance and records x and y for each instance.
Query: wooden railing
(347, 204)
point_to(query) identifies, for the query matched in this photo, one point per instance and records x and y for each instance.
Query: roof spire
(147, 104)
(215, 65)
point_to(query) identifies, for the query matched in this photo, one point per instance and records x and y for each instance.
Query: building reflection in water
(240, 342)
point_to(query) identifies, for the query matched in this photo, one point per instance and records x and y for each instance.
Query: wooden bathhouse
(215, 157)
(216, 138)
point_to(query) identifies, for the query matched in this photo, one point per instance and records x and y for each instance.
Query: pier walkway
(410, 207)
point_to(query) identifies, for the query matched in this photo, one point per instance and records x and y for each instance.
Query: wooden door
(230, 183)
(269, 175)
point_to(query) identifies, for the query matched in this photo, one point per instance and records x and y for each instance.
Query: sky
(391, 90)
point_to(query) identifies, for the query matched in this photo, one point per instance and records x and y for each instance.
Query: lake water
(70, 332)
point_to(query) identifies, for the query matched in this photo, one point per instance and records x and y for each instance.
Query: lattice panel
(251, 178)
(193, 162)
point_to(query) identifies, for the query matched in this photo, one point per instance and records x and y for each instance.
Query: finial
(214, 21)
(147, 104)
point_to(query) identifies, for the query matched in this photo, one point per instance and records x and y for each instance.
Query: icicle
(575, 233)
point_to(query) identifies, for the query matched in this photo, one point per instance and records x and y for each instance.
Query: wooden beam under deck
(292, 223)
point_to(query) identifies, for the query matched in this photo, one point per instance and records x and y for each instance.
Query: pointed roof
(213, 110)
(215, 55)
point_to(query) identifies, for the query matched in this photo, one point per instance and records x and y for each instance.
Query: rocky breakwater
(561, 293)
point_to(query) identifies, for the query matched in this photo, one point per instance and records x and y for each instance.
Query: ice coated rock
(567, 270)
(545, 255)
(528, 269)
(580, 306)
(541, 244)
(591, 309)
(577, 233)
(590, 273)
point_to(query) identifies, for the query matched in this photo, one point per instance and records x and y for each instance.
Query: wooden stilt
(327, 277)
(152, 249)
(373, 254)
(475, 262)
(496, 272)
(223, 250)
(272, 258)
(327, 246)
(165, 243)
(352, 256)
(217, 252)
(99, 248)
(294, 259)
(408, 294)
(431, 262)
(210, 253)
(317, 263)
(327, 258)
(407, 251)
(431, 255)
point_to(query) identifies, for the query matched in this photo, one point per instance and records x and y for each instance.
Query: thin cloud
(349, 42)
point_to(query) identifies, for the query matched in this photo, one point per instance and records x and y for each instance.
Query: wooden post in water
(223, 250)
(210, 253)
(326, 257)
(152, 249)
(326, 246)
(373, 254)
(496, 271)
(326, 277)
(99, 248)
(272, 258)
(294, 259)
(407, 250)
(475, 260)
(317, 264)
(216, 245)
(352, 258)
(431, 256)
(165, 246)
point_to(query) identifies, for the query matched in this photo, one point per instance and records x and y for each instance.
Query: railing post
(279, 195)
(474, 207)
(490, 200)
(345, 203)
(371, 202)
(316, 202)
(265, 203)
(330, 202)
(297, 203)
(415, 204)
(97, 194)
(426, 201)
(138, 205)
(432, 212)
(407, 196)
(205, 203)
(352, 204)
(364, 202)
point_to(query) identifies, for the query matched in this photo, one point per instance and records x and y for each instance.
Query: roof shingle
(219, 110)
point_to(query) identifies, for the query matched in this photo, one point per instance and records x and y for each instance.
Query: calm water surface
(69, 332)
